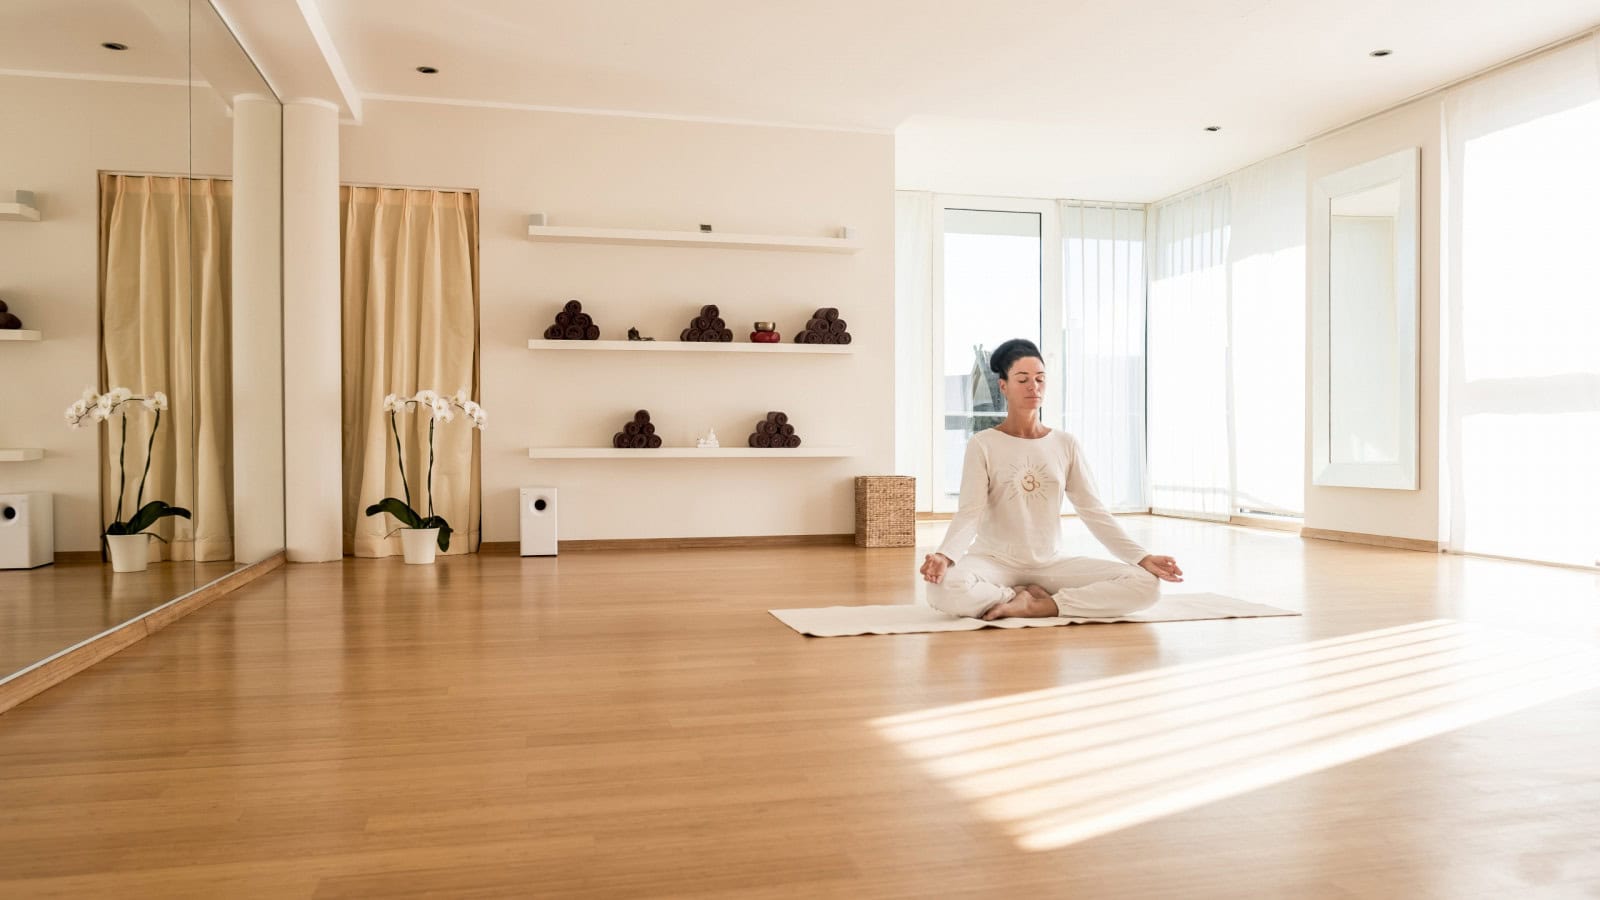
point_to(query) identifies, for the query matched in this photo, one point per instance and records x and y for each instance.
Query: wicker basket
(886, 511)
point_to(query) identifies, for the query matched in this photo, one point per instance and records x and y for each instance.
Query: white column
(311, 348)
(257, 328)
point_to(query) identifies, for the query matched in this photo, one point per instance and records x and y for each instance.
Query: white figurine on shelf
(709, 441)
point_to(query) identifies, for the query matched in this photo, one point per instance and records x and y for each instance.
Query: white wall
(58, 135)
(1404, 514)
(652, 173)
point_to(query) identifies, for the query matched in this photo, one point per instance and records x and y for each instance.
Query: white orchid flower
(100, 413)
(121, 394)
(442, 410)
(461, 397)
(391, 403)
(90, 395)
(159, 399)
(426, 397)
(105, 404)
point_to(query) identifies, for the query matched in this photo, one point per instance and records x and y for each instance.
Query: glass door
(990, 277)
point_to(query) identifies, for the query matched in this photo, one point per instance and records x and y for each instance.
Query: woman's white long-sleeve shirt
(1011, 491)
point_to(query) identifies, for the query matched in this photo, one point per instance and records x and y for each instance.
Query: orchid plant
(438, 408)
(116, 403)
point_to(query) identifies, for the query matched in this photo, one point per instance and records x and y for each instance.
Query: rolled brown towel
(812, 337)
(619, 440)
(647, 427)
(582, 320)
(765, 427)
(844, 338)
(9, 322)
(831, 313)
(642, 416)
(640, 441)
(786, 429)
(838, 326)
(726, 337)
(564, 319)
(592, 333)
(687, 335)
(573, 306)
(653, 441)
(715, 323)
(4, 307)
(553, 333)
(794, 440)
(572, 333)
(708, 336)
(710, 311)
(777, 417)
(630, 428)
(818, 324)
(700, 323)
(762, 440)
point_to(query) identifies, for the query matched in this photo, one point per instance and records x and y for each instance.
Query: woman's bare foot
(1030, 602)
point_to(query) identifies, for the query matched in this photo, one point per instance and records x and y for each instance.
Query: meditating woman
(1012, 483)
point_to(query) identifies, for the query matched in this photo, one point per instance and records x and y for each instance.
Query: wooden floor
(46, 610)
(633, 724)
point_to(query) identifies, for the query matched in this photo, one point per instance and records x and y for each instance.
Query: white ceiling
(1090, 99)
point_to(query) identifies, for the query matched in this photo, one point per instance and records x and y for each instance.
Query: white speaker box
(27, 530)
(538, 521)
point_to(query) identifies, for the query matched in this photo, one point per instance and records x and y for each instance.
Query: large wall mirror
(142, 254)
(1364, 325)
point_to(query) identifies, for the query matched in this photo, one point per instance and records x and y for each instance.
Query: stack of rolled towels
(824, 327)
(637, 433)
(573, 324)
(708, 326)
(774, 431)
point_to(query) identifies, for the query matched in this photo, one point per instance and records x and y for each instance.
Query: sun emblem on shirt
(1029, 480)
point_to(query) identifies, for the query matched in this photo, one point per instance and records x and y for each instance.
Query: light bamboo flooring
(46, 610)
(633, 724)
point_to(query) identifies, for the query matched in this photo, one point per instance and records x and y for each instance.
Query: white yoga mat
(843, 621)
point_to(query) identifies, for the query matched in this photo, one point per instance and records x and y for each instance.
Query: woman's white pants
(1080, 585)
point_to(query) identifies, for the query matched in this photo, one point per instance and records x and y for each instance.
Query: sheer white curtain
(913, 307)
(1267, 301)
(1188, 355)
(1102, 386)
(1522, 316)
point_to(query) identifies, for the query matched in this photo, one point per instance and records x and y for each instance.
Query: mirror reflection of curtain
(410, 308)
(164, 300)
(1522, 312)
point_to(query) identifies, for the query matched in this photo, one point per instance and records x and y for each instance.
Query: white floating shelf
(18, 212)
(691, 347)
(20, 455)
(801, 452)
(692, 239)
(20, 334)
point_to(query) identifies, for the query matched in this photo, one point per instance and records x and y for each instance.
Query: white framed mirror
(1364, 232)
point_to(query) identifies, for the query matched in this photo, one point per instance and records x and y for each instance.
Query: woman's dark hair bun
(1006, 355)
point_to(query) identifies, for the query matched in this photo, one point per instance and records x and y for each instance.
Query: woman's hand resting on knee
(934, 566)
(1162, 567)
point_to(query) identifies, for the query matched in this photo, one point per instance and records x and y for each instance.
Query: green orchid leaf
(153, 512)
(397, 508)
(444, 530)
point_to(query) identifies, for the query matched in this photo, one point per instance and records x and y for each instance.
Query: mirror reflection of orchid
(116, 403)
(438, 408)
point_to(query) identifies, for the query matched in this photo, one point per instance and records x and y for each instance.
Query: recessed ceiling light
(1380, 53)
(427, 70)
(113, 45)
(1213, 127)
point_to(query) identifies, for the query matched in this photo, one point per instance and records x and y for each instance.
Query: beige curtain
(164, 275)
(410, 267)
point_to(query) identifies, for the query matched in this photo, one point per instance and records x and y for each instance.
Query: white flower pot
(129, 552)
(420, 545)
